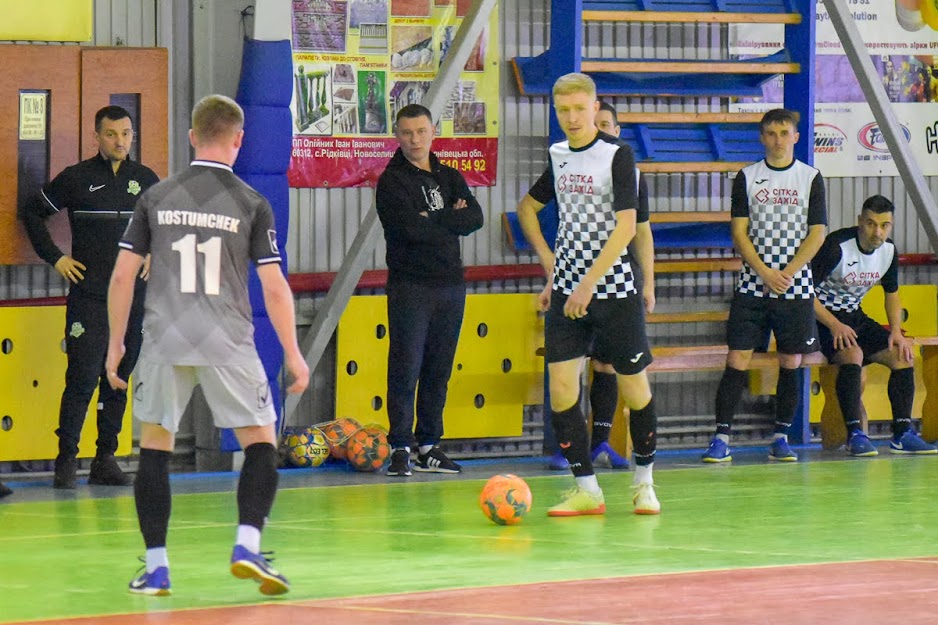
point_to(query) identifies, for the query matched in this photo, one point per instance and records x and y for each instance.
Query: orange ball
(337, 433)
(505, 499)
(367, 449)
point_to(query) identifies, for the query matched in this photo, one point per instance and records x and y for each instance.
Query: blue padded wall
(264, 93)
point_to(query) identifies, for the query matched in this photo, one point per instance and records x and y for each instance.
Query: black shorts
(872, 338)
(613, 331)
(791, 320)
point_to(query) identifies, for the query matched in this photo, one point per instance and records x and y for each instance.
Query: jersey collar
(214, 164)
(588, 145)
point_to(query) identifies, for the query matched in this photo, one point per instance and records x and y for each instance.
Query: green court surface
(72, 555)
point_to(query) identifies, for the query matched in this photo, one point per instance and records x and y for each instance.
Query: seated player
(850, 262)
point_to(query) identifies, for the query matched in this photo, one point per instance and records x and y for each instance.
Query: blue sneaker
(911, 443)
(604, 455)
(155, 584)
(779, 450)
(256, 566)
(558, 462)
(717, 452)
(859, 445)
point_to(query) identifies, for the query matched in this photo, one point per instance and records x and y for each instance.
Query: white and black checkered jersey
(781, 204)
(844, 273)
(591, 184)
(202, 229)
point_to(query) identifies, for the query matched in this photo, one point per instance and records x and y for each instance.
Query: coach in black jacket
(99, 194)
(424, 207)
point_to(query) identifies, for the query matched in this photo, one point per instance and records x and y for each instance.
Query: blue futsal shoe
(247, 565)
(558, 462)
(859, 445)
(604, 455)
(155, 584)
(717, 452)
(911, 443)
(780, 451)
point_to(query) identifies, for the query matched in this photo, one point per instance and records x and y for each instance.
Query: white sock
(249, 537)
(778, 436)
(643, 474)
(407, 449)
(589, 483)
(724, 437)
(156, 558)
(425, 449)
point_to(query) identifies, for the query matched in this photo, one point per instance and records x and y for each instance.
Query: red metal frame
(378, 278)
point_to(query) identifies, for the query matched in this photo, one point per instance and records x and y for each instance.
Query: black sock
(604, 396)
(786, 399)
(153, 496)
(728, 393)
(643, 426)
(901, 391)
(848, 395)
(570, 429)
(257, 485)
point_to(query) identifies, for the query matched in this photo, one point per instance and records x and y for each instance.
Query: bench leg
(930, 405)
(619, 438)
(833, 430)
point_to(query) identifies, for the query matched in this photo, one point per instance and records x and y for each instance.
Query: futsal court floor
(827, 540)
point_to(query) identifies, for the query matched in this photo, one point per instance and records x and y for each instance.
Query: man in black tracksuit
(99, 194)
(424, 207)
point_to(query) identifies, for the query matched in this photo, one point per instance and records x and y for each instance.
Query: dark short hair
(413, 111)
(878, 204)
(780, 116)
(113, 113)
(605, 106)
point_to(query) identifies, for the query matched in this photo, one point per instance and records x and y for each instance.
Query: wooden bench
(693, 358)
(690, 17)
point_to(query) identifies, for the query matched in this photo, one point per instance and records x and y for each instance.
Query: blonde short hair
(575, 83)
(216, 117)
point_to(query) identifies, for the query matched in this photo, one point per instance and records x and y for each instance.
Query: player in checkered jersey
(604, 391)
(779, 218)
(592, 300)
(848, 265)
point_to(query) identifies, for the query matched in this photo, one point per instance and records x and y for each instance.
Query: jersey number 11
(211, 249)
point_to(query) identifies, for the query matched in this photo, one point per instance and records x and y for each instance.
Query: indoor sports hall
(827, 539)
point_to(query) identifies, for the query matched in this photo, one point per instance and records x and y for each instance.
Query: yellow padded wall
(920, 306)
(32, 367)
(495, 373)
(919, 303)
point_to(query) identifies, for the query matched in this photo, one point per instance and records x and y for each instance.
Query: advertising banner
(902, 39)
(358, 62)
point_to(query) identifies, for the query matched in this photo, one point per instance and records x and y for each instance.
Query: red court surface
(904, 592)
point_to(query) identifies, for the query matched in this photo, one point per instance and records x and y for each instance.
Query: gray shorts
(238, 395)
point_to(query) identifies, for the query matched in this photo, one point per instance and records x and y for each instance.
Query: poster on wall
(902, 39)
(356, 63)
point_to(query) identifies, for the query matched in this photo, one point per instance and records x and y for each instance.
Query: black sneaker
(65, 473)
(435, 461)
(400, 463)
(105, 472)
(4, 490)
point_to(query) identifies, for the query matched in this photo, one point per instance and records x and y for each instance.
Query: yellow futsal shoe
(645, 500)
(578, 502)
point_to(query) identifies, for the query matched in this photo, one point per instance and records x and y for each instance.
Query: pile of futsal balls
(365, 448)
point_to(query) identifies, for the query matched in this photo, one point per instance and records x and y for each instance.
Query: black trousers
(423, 326)
(86, 339)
